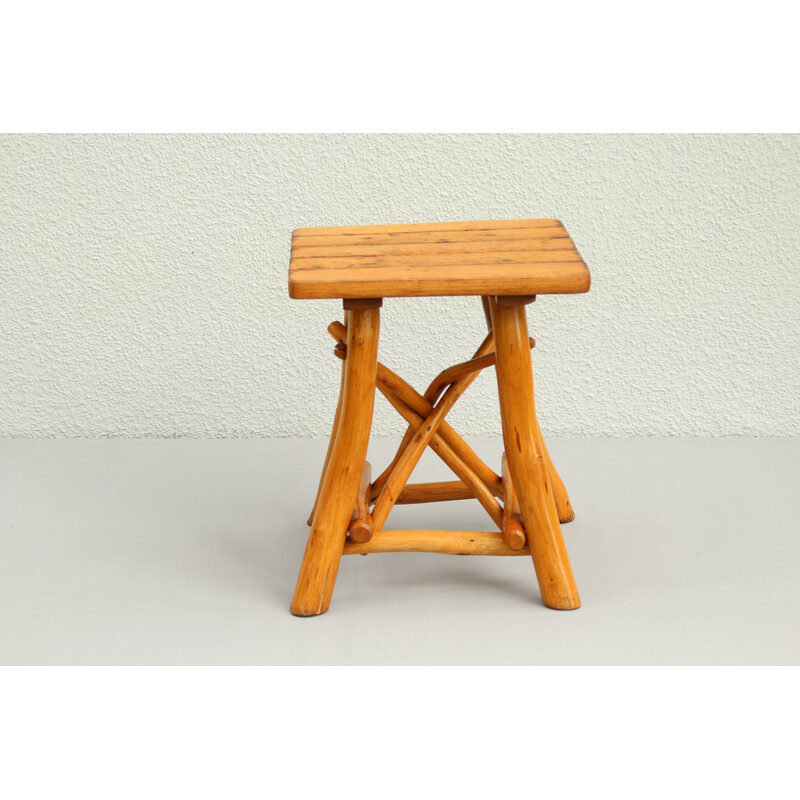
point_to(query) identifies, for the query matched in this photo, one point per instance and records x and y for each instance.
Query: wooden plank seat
(507, 263)
(507, 257)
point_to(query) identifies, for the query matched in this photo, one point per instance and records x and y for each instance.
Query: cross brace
(425, 414)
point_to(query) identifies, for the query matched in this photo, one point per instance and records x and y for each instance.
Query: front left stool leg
(317, 577)
(526, 460)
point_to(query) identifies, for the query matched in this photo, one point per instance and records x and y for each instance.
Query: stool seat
(495, 257)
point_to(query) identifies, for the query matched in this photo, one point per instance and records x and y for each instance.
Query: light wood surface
(435, 492)
(513, 530)
(500, 257)
(361, 527)
(458, 543)
(525, 460)
(326, 539)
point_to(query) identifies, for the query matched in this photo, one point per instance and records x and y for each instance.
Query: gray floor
(686, 551)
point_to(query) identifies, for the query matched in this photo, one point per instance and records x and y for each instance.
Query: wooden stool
(507, 263)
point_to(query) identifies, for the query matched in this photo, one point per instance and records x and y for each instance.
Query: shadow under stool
(506, 263)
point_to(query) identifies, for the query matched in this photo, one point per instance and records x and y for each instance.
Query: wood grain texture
(326, 539)
(499, 257)
(526, 461)
(434, 492)
(457, 543)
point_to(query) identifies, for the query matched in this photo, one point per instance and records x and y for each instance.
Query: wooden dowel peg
(513, 530)
(361, 523)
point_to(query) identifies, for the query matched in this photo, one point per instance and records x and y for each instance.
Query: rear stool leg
(563, 506)
(337, 495)
(334, 431)
(526, 458)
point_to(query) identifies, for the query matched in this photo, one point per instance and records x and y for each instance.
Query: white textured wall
(144, 280)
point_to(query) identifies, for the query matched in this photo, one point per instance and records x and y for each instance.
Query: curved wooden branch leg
(563, 506)
(334, 431)
(525, 459)
(487, 311)
(312, 594)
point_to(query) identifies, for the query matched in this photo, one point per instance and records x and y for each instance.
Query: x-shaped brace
(425, 415)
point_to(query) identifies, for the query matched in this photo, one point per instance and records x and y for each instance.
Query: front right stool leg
(525, 453)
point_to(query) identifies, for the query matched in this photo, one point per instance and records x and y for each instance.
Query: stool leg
(337, 496)
(563, 505)
(334, 431)
(526, 459)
